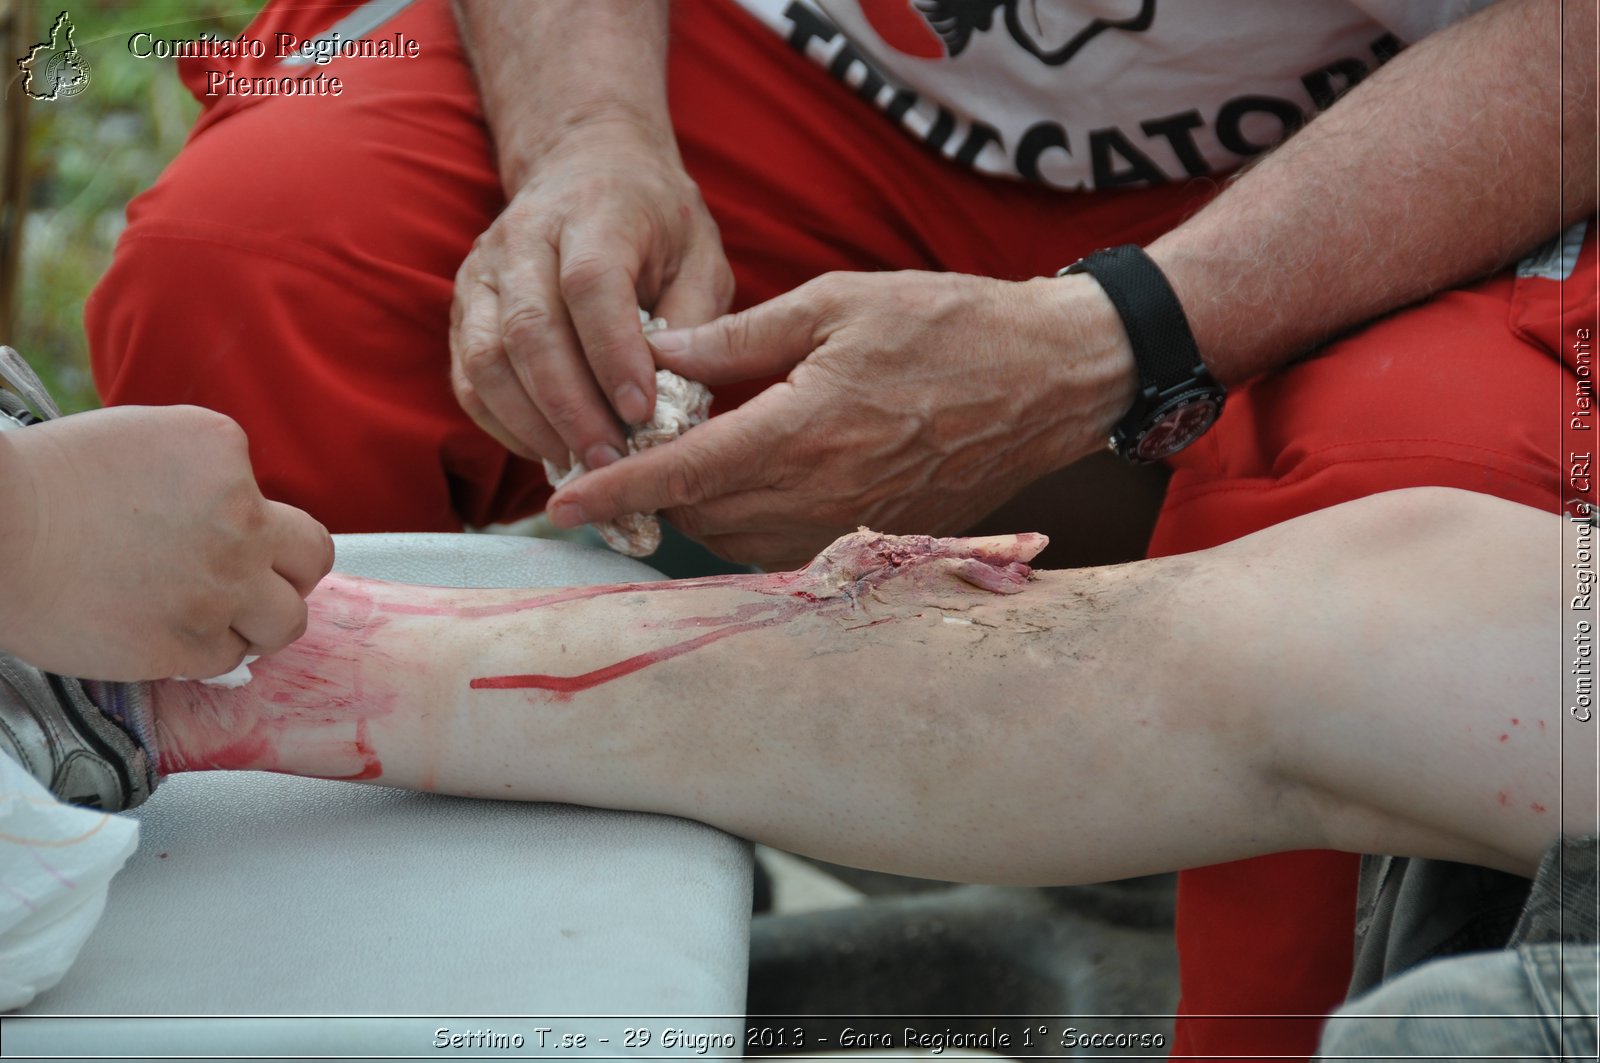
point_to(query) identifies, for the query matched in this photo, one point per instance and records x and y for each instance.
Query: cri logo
(1051, 31)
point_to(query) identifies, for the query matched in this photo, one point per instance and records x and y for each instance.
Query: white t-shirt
(1102, 93)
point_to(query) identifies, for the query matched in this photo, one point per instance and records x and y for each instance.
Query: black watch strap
(1163, 347)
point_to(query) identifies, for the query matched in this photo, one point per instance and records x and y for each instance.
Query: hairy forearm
(908, 721)
(1303, 687)
(935, 733)
(1461, 153)
(549, 68)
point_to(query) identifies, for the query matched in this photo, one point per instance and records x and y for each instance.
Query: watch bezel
(1131, 445)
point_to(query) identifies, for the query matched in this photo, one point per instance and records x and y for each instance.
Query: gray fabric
(1564, 904)
(1535, 999)
(1533, 1003)
(1411, 911)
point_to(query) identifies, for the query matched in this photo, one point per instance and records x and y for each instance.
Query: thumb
(765, 340)
(304, 549)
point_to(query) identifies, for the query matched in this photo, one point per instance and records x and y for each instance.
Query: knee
(1418, 512)
(1393, 529)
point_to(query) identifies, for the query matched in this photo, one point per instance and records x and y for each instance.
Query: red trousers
(293, 269)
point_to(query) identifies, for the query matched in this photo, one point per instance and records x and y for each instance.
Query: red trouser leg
(292, 268)
(1464, 390)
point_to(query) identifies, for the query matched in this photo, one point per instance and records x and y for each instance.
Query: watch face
(1177, 425)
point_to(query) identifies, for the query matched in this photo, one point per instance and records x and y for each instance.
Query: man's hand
(915, 402)
(546, 349)
(136, 545)
(545, 339)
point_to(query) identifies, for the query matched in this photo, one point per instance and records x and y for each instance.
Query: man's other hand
(915, 402)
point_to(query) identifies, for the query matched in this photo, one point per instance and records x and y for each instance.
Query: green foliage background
(87, 157)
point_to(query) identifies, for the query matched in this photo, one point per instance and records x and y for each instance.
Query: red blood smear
(244, 754)
(1006, 565)
(741, 614)
(569, 684)
(1537, 807)
(1505, 738)
(371, 766)
(992, 570)
(1503, 797)
(257, 752)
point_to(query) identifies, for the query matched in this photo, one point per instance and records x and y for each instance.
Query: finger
(219, 654)
(273, 616)
(545, 442)
(481, 374)
(533, 438)
(599, 288)
(304, 552)
(762, 341)
(550, 368)
(716, 458)
(701, 290)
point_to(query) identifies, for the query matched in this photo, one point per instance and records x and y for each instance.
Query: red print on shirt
(1051, 33)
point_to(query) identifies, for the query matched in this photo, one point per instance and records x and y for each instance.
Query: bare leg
(911, 704)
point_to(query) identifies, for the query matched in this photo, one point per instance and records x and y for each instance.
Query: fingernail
(629, 403)
(600, 455)
(567, 515)
(670, 341)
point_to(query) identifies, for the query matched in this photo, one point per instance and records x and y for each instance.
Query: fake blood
(845, 570)
(570, 684)
(321, 691)
(371, 766)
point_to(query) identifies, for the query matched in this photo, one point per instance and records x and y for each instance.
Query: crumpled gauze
(680, 405)
(56, 862)
(232, 680)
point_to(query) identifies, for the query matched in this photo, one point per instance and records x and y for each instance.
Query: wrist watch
(1178, 398)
